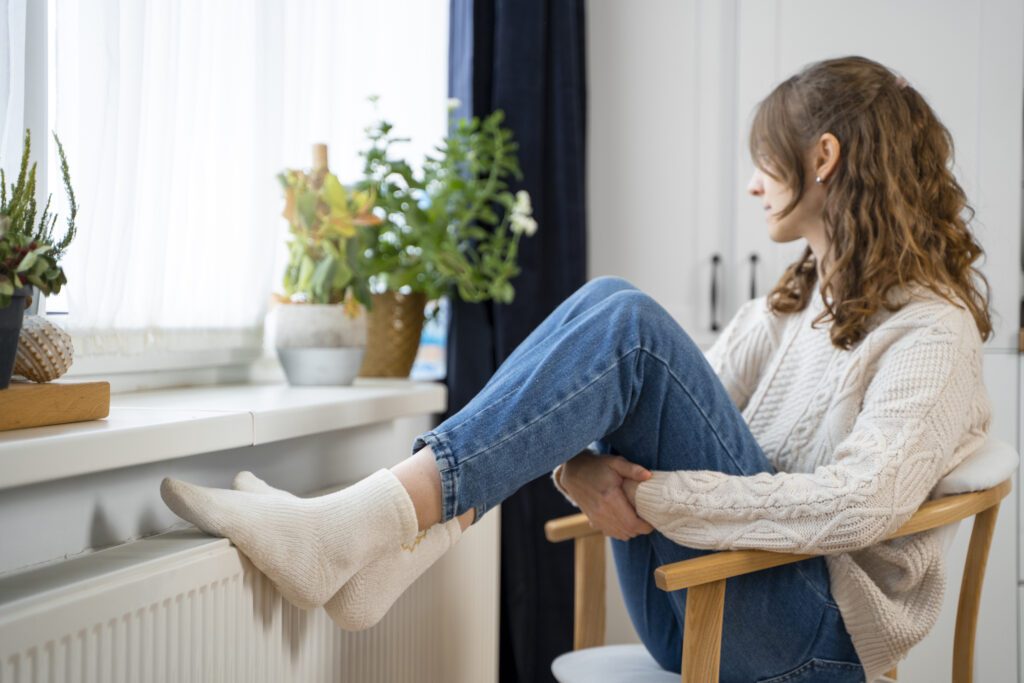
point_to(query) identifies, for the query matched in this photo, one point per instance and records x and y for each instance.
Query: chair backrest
(992, 465)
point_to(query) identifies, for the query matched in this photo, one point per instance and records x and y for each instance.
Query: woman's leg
(311, 547)
(774, 621)
(621, 360)
(419, 473)
(623, 372)
(589, 293)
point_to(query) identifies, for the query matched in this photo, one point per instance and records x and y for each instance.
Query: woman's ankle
(422, 481)
(466, 518)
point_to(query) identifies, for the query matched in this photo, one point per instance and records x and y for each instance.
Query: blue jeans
(610, 366)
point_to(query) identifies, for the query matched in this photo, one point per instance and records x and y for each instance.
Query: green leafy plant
(456, 223)
(29, 254)
(329, 226)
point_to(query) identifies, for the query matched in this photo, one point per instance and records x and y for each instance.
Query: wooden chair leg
(588, 606)
(702, 632)
(970, 594)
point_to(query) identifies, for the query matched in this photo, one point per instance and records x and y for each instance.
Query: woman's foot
(369, 594)
(309, 548)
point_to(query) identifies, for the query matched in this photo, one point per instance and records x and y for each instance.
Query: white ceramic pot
(317, 343)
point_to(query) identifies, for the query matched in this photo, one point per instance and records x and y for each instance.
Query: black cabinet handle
(753, 275)
(715, 260)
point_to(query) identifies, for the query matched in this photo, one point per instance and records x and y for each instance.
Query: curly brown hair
(894, 213)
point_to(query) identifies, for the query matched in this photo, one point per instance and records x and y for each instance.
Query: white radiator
(182, 606)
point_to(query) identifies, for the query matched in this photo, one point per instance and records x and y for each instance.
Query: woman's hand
(596, 482)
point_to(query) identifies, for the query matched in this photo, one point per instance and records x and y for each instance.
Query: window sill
(151, 426)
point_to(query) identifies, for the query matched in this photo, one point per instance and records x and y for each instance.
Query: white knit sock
(308, 547)
(369, 594)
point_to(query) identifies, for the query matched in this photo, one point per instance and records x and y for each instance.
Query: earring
(817, 179)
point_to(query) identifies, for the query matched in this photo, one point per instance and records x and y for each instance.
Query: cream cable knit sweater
(859, 439)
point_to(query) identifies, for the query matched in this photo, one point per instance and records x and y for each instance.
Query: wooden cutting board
(27, 404)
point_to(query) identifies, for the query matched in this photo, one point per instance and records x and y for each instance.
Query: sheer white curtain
(176, 117)
(12, 83)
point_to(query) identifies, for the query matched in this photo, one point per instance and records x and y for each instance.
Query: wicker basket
(393, 334)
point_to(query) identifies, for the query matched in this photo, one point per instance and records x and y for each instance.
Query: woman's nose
(755, 186)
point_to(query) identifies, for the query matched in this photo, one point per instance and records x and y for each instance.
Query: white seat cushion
(610, 664)
(992, 464)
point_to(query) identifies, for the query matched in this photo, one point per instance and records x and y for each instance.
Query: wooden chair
(975, 488)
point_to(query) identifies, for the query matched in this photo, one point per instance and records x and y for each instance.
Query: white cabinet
(672, 89)
(655, 179)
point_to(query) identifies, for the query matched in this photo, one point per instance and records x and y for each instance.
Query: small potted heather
(29, 253)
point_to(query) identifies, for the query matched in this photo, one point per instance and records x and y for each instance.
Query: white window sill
(150, 426)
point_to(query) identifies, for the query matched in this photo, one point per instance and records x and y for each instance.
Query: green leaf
(306, 204)
(321, 277)
(363, 297)
(306, 268)
(331, 249)
(342, 276)
(334, 193)
(40, 267)
(26, 263)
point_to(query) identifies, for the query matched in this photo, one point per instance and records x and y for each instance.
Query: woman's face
(803, 221)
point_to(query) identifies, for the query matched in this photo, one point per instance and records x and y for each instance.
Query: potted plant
(319, 325)
(453, 227)
(29, 254)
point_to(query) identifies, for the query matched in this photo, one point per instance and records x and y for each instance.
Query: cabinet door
(660, 150)
(964, 57)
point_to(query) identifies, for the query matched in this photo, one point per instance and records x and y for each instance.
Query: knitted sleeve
(924, 398)
(741, 351)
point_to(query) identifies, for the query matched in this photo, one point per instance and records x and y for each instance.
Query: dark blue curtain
(526, 57)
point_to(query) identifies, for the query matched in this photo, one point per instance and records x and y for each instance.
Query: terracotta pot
(394, 326)
(11, 317)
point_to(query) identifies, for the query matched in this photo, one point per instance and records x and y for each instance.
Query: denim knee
(646, 322)
(640, 304)
(606, 285)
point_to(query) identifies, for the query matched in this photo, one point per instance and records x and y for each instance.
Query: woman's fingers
(627, 469)
(625, 517)
(596, 483)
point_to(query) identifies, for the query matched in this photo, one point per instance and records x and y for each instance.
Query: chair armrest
(726, 564)
(569, 527)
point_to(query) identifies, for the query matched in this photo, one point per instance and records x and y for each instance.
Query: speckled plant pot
(318, 343)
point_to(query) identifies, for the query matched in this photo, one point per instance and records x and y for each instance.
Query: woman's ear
(825, 157)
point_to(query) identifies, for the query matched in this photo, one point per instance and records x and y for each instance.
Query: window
(176, 118)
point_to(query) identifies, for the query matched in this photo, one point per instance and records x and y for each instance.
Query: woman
(818, 422)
